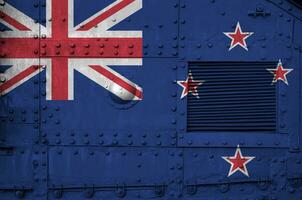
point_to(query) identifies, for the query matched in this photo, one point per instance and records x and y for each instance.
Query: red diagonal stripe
(130, 88)
(105, 15)
(13, 22)
(9, 83)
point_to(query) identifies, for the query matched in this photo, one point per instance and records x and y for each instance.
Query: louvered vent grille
(234, 97)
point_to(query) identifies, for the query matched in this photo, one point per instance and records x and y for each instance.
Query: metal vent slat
(268, 109)
(239, 93)
(225, 117)
(229, 115)
(233, 97)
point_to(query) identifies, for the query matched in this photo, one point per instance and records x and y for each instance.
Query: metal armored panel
(150, 99)
(19, 124)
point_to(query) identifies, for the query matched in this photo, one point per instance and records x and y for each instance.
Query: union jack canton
(59, 48)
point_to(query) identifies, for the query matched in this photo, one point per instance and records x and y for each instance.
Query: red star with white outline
(238, 162)
(280, 73)
(190, 86)
(238, 37)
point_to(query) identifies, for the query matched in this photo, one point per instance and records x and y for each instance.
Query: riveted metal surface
(105, 116)
(63, 123)
(16, 173)
(20, 117)
(102, 166)
(18, 134)
(19, 110)
(215, 174)
(109, 138)
(104, 176)
(212, 45)
(300, 63)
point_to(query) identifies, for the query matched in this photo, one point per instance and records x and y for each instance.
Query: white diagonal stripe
(22, 19)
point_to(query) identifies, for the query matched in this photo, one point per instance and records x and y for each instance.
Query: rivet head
(191, 189)
(2, 78)
(121, 192)
(20, 194)
(58, 194)
(89, 193)
(224, 188)
(3, 54)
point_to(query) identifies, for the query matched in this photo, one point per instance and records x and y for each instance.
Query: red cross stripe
(61, 43)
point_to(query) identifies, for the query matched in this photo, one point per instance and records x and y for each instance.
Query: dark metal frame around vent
(235, 97)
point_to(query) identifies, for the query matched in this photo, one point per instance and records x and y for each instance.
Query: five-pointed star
(189, 86)
(238, 162)
(238, 37)
(280, 73)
